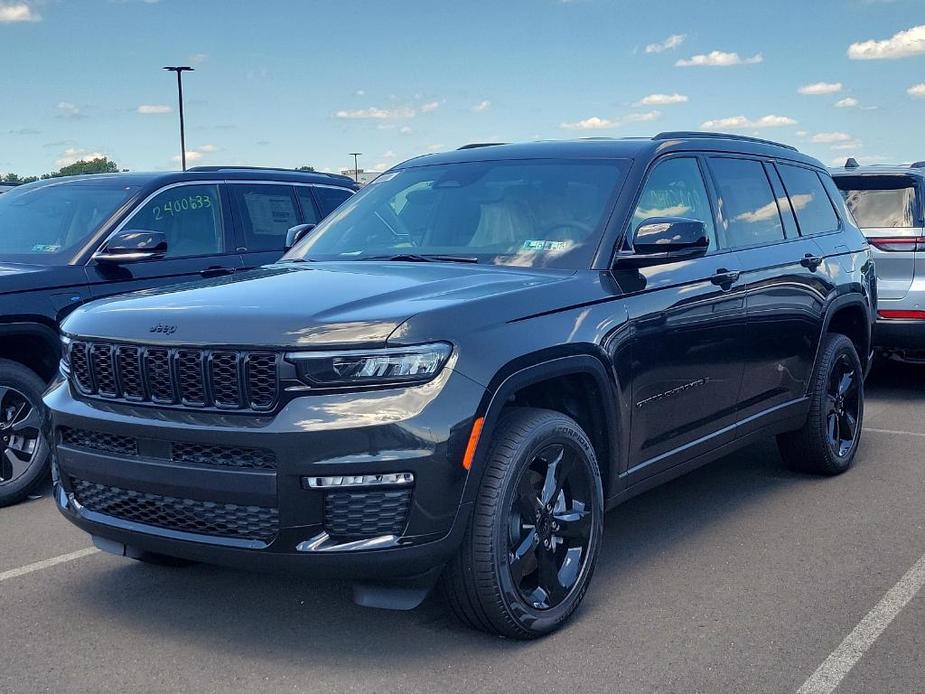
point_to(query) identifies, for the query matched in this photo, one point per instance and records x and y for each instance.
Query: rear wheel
(24, 455)
(828, 441)
(535, 532)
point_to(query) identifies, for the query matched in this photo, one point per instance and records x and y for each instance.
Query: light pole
(356, 166)
(180, 69)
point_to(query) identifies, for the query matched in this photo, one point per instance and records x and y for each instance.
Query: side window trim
(310, 189)
(792, 228)
(825, 189)
(697, 157)
(721, 229)
(148, 198)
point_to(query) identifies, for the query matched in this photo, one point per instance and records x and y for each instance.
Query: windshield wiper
(425, 258)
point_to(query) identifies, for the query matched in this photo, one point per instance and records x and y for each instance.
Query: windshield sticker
(543, 245)
(46, 248)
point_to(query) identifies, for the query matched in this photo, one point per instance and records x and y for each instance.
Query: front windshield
(529, 213)
(46, 225)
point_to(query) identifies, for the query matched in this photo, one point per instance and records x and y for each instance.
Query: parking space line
(54, 561)
(833, 670)
(893, 431)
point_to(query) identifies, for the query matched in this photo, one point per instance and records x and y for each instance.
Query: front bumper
(266, 516)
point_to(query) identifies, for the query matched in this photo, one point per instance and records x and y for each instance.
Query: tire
(24, 452)
(822, 446)
(488, 584)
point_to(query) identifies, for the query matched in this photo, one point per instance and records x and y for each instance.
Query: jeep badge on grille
(164, 328)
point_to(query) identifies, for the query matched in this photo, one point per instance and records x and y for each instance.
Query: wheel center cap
(544, 526)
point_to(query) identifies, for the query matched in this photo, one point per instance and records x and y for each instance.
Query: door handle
(725, 278)
(216, 271)
(811, 261)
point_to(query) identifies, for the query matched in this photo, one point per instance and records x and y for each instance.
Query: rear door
(889, 211)
(783, 273)
(200, 243)
(263, 213)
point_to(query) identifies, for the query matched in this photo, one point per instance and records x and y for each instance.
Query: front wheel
(828, 441)
(535, 532)
(23, 449)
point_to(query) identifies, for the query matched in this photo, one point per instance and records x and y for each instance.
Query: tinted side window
(675, 189)
(190, 217)
(330, 198)
(266, 212)
(747, 206)
(307, 203)
(812, 206)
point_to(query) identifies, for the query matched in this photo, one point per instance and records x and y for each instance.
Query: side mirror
(661, 240)
(132, 246)
(297, 233)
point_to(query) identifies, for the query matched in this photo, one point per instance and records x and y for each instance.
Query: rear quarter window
(329, 199)
(814, 211)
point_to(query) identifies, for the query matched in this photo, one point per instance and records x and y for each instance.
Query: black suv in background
(65, 241)
(461, 369)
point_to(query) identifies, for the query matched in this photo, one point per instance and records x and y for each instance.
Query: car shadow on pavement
(295, 619)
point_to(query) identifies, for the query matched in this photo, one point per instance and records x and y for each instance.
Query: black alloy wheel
(24, 452)
(550, 527)
(843, 405)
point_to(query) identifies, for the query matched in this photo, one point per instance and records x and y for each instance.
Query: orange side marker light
(473, 442)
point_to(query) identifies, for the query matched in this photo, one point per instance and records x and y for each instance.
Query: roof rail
(476, 145)
(214, 169)
(678, 134)
(918, 165)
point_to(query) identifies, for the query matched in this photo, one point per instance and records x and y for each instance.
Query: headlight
(393, 365)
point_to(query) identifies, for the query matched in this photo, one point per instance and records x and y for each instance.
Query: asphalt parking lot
(740, 577)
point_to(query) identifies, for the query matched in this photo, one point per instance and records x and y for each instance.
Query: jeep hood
(356, 303)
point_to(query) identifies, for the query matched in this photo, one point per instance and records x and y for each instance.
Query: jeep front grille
(186, 377)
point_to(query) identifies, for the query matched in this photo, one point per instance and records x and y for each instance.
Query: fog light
(390, 479)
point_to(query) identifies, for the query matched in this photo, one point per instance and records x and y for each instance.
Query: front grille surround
(187, 377)
(175, 513)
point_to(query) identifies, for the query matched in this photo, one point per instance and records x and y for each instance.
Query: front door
(688, 321)
(199, 242)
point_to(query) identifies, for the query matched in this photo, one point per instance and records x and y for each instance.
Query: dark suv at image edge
(456, 373)
(65, 241)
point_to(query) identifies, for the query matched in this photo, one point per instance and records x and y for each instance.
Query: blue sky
(292, 83)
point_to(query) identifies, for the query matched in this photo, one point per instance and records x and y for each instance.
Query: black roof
(204, 173)
(617, 148)
(852, 168)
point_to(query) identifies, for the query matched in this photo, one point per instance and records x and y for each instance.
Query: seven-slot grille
(223, 379)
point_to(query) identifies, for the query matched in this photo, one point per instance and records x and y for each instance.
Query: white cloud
(434, 148)
(360, 92)
(718, 59)
(917, 91)
(482, 106)
(661, 99)
(430, 106)
(802, 133)
(68, 110)
(74, 154)
(207, 148)
(376, 113)
(198, 58)
(847, 102)
(641, 117)
(12, 12)
(820, 88)
(743, 123)
(902, 44)
(191, 156)
(829, 138)
(592, 123)
(154, 108)
(405, 130)
(854, 144)
(672, 41)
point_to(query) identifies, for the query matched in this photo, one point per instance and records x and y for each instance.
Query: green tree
(78, 168)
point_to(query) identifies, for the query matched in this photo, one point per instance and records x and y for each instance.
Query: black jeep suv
(462, 368)
(65, 241)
